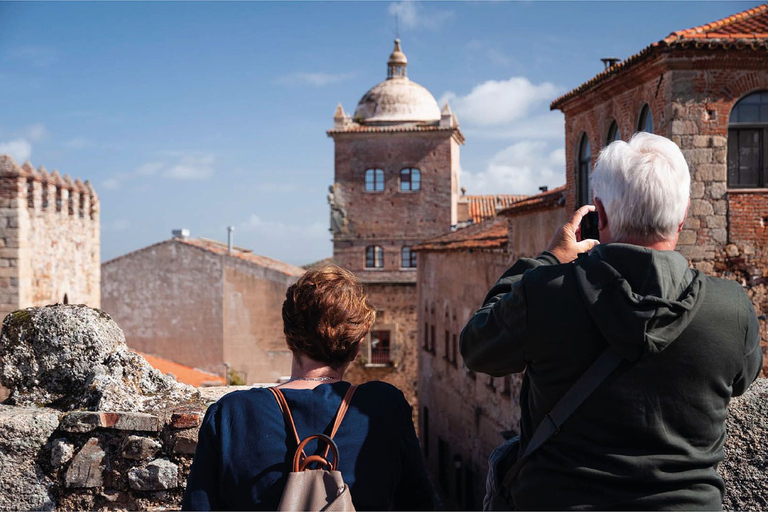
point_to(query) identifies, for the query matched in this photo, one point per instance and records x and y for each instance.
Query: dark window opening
(379, 348)
(58, 199)
(31, 193)
(748, 142)
(454, 350)
(584, 172)
(408, 257)
(645, 121)
(442, 463)
(374, 180)
(432, 339)
(45, 196)
(410, 180)
(66, 299)
(614, 133)
(506, 388)
(447, 353)
(374, 257)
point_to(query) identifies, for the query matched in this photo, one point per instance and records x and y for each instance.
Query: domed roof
(397, 99)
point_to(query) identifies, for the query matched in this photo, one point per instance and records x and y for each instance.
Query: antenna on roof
(230, 236)
(397, 25)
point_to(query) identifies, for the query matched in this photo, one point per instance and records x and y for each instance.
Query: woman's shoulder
(382, 392)
(243, 397)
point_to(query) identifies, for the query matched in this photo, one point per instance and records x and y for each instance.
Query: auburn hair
(325, 315)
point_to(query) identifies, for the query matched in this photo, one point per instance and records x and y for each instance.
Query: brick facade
(49, 239)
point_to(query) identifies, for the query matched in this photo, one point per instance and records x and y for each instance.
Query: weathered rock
(74, 357)
(140, 448)
(61, 452)
(157, 475)
(87, 467)
(745, 468)
(185, 445)
(185, 419)
(23, 432)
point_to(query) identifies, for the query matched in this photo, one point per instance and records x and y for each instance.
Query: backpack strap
(291, 426)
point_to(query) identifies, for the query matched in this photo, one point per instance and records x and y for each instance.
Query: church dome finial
(397, 62)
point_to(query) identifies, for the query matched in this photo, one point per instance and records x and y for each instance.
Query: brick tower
(396, 183)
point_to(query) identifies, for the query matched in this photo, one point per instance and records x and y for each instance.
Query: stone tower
(49, 239)
(396, 183)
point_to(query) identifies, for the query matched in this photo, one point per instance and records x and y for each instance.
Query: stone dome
(397, 99)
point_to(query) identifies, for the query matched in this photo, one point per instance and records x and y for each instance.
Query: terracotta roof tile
(747, 29)
(554, 198)
(485, 207)
(181, 373)
(488, 235)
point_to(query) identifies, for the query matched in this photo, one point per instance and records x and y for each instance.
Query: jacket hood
(640, 299)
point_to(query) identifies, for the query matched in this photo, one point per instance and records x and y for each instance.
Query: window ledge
(410, 191)
(751, 190)
(408, 269)
(374, 269)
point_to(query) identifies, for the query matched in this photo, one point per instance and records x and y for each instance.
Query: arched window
(407, 257)
(748, 142)
(374, 180)
(614, 133)
(374, 256)
(410, 180)
(645, 121)
(584, 171)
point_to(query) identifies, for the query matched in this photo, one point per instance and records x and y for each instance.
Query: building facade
(49, 238)
(194, 302)
(706, 88)
(396, 183)
(463, 415)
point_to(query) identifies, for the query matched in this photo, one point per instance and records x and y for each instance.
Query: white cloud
(497, 102)
(78, 143)
(413, 15)
(275, 229)
(37, 56)
(190, 167)
(314, 79)
(520, 168)
(19, 149)
(149, 169)
(548, 125)
(36, 131)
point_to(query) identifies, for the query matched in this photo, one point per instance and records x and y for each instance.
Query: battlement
(46, 191)
(49, 238)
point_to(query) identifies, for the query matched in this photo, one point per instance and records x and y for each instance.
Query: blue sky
(208, 114)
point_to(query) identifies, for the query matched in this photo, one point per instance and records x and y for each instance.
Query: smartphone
(589, 226)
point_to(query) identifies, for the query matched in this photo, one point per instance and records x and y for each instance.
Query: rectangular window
(453, 350)
(447, 353)
(426, 336)
(425, 430)
(379, 348)
(374, 256)
(432, 338)
(374, 180)
(442, 463)
(747, 162)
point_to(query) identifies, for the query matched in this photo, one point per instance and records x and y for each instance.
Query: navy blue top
(244, 452)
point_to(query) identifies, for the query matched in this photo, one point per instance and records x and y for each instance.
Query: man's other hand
(566, 245)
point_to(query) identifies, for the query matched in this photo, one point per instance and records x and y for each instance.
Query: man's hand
(566, 245)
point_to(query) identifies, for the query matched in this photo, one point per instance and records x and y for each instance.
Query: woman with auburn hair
(244, 450)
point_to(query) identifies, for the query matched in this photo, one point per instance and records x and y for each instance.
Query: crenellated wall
(49, 238)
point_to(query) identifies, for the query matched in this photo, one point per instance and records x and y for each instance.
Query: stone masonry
(49, 238)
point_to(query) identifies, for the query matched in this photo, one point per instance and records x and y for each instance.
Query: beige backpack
(315, 489)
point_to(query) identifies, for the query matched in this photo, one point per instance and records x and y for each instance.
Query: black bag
(499, 463)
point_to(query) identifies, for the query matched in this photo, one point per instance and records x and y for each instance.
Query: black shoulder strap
(573, 398)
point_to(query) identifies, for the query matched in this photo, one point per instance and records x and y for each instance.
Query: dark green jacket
(652, 434)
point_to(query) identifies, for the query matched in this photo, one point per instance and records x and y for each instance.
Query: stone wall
(49, 238)
(462, 415)
(168, 300)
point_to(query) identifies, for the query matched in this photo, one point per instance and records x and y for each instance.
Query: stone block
(697, 190)
(61, 452)
(158, 475)
(687, 237)
(720, 235)
(717, 221)
(140, 448)
(185, 419)
(133, 421)
(702, 141)
(87, 467)
(184, 445)
(701, 207)
(732, 251)
(81, 421)
(717, 190)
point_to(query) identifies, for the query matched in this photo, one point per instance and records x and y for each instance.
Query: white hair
(644, 185)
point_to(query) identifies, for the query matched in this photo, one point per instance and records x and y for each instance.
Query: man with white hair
(652, 432)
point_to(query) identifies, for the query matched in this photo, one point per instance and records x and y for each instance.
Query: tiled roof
(181, 373)
(488, 235)
(554, 198)
(397, 128)
(485, 207)
(243, 254)
(747, 29)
